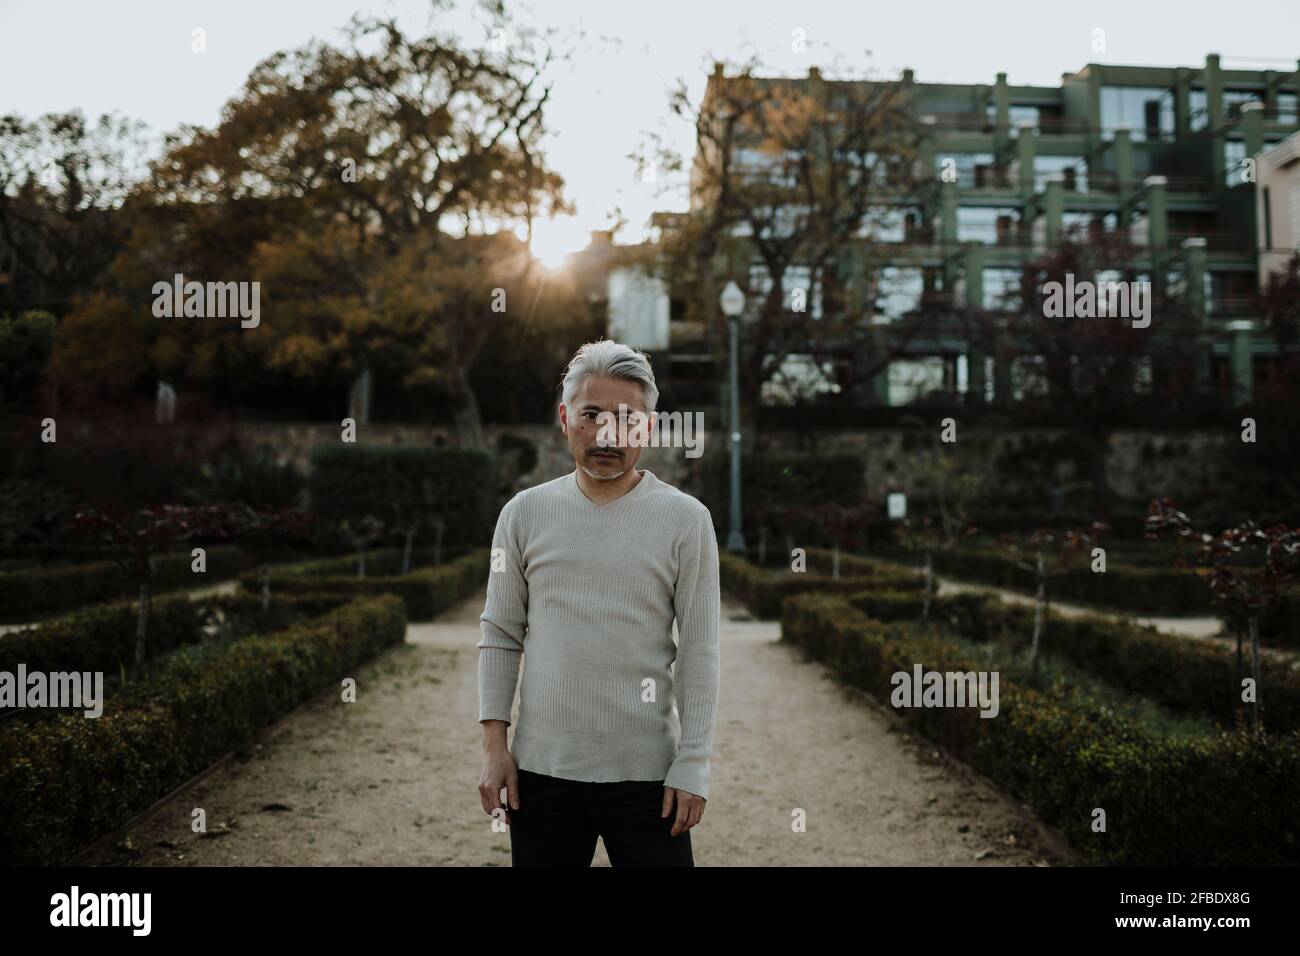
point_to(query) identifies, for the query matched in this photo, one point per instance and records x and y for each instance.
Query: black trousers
(558, 821)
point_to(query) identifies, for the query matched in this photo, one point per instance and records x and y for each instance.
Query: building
(1166, 156)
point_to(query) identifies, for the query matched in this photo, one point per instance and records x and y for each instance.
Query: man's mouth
(604, 456)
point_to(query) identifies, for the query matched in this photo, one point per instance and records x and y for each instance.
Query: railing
(1217, 239)
(1232, 306)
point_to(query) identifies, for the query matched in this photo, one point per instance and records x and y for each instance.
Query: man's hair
(609, 360)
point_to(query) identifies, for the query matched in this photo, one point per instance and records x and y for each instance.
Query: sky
(134, 57)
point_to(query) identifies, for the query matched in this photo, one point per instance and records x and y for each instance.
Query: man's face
(592, 426)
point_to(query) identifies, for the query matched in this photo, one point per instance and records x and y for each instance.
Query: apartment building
(1175, 158)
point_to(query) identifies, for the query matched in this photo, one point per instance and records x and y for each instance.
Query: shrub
(24, 594)
(427, 592)
(67, 780)
(1221, 800)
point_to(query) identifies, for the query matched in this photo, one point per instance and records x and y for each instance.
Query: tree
(62, 180)
(947, 523)
(401, 154)
(794, 177)
(1249, 565)
(1049, 552)
(268, 536)
(1095, 371)
(135, 539)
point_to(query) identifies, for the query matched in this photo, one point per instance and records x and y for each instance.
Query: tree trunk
(929, 583)
(361, 562)
(406, 553)
(437, 541)
(266, 588)
(1254, 669)
(1240, 673)
(835, 561)
(142, 625)
(1040, 613)
(762, 546)
(465, 412)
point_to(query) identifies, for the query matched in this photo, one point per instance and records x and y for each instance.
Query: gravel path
(392, 779)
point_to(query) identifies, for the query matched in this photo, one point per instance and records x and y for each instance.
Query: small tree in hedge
(842, 524)
(268, 536)
(1248, 567)
(133, 540)
(927, 535)
(1044, 553)
(362, 534)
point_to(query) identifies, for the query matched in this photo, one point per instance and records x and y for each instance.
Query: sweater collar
(647, 478)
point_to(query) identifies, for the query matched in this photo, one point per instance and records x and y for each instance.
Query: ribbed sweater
(588, 593)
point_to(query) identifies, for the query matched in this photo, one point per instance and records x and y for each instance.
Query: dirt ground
(392, 778)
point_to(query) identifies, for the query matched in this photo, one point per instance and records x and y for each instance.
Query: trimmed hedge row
(39, 591)
(354, 481)
(762, 590)
(66, 781)
(1155, 591)
(1281, 627)
(102, 638)
(1222, 800)
(427, 592)
(1184, 674)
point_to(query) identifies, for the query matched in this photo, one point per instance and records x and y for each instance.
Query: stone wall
(1141, 464)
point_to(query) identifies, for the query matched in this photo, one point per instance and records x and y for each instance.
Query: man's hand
(690, 808)
(499, 772)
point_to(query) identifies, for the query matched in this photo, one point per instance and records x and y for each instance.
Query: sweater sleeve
(697, 602)
(504, 621)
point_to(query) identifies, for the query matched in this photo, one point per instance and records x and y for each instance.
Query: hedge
(778, 478)
(353, 481)
(1185, 674)
(1222, 800)
(66, 781)
(427, 592)
(102, 638)
(42, 590)
(762, 590)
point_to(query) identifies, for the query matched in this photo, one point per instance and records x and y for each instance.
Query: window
(1286, 108)
(1233, 99)
(912, 379)
(987, 224)
(794, 278)
(1234, 151)
(1016, 114)
(1002, 289)
(892, 224)
(897, 291)
(1198, 106)
(1074, 169)
(969, 167)
(1147, 111)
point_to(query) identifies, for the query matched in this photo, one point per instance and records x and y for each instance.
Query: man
(616, 721)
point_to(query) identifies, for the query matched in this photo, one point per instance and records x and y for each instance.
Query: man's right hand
(499, 772)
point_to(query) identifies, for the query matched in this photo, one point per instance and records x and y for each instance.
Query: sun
(554, 240)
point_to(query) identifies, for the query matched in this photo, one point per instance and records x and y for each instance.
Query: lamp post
(732, 301)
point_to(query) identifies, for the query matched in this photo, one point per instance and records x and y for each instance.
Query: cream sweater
(589, 594)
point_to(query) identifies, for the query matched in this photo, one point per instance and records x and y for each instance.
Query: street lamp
(732, 301)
